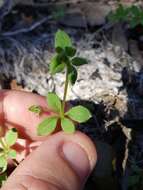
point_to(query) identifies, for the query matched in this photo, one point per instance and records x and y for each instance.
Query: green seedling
(64, 59)
(6, 152)
(132, 15)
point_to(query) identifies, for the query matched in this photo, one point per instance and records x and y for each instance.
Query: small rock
(95, 13)
(74, 18)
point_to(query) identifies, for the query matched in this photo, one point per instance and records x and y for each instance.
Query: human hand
(59, 161)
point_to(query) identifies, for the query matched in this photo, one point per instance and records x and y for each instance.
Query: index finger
(14, 111)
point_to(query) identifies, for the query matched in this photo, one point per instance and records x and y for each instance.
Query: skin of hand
(58, 162)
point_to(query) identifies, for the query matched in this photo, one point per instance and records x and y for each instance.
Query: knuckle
(28, 182)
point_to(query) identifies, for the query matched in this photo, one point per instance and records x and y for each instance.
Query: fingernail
(77, 158)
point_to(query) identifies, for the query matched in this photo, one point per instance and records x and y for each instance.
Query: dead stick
(25, 30)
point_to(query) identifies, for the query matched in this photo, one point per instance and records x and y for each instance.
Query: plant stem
(65, 93)
(15, 162)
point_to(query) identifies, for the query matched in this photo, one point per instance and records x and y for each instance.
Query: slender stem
(15, 162)
(65, 92)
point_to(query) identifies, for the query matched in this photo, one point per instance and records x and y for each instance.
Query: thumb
(62, 162)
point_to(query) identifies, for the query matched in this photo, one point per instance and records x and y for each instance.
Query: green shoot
(6, 152)
(64, 59)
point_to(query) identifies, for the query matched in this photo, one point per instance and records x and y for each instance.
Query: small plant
(64, 59)
(6, 150)
(132, 15)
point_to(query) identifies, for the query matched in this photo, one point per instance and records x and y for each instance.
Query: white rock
(95, 13)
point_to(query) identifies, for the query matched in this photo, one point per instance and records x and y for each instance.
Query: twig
(104, 27)
(25, 30)
(6, 8)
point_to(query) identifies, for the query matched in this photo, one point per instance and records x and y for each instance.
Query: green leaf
(141, 15)
(3, 164)
(135, 10)
(11, 137)
(62, 40)
(12, 154)
(54, 102)
(65, 58)
(121, 14)
(67, 125)
(134, 22)
(72, 76)
(70, 51)
(1, 151)
(56, 65)
(59, 68)
(47, 126)
(112, 17)
(3, 178)
(79, 114)
(59, 50)
(141, 22)
(77, 61)
(36, 109)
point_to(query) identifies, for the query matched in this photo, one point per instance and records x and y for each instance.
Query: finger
(62, 162)
(14, 111)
